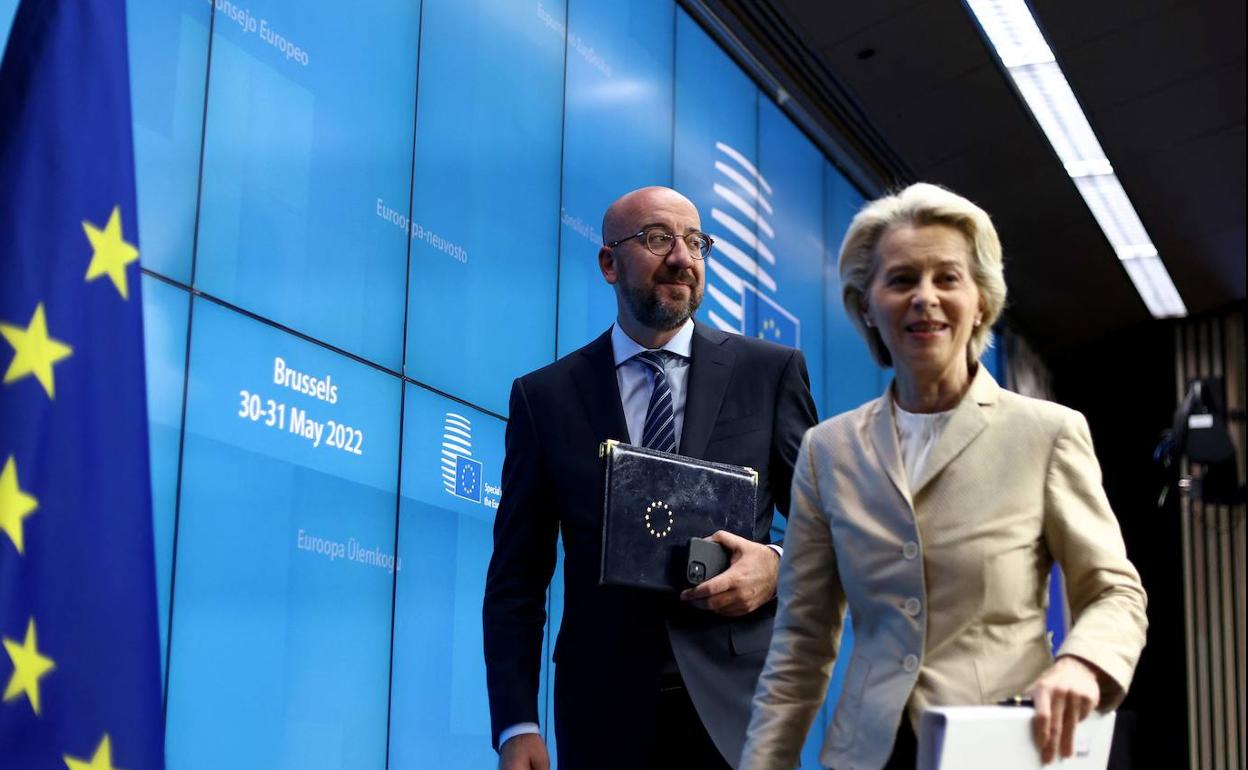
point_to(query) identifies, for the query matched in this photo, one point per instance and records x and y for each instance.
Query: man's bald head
(629, 212)
(655, 293)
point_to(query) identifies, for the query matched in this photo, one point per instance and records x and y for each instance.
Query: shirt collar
(625, 347)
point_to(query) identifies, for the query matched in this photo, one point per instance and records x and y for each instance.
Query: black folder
(655, 501)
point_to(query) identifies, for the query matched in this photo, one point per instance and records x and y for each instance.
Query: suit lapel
(710, 369)
(884, 436)
(599, 390)
(967, 421)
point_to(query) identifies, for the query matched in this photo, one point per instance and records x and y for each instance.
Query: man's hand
(526, 751)
(1063, 695)
(747, 584)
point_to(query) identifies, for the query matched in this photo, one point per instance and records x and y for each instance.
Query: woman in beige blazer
(934, 513)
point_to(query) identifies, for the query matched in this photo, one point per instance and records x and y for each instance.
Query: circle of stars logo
(468, 480)
(655, 513)
(770, 330)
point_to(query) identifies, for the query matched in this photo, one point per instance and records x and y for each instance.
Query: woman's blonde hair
(918, 205)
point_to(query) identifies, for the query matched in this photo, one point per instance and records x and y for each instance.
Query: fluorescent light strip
(1047, 93)
(1015, 35)
(1029, 60)
(1108, 202)
(1153, 283)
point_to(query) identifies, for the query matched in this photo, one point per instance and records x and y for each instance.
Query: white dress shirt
(637, 383)
(917, 434)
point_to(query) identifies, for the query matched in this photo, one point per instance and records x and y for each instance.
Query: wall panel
(402, 204)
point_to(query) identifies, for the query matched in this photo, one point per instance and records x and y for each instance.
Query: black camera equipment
(1200, 434)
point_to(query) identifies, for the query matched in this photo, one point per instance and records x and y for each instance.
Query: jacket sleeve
(526, 529)
(807, 632)
(794, 415)
(1107, 601)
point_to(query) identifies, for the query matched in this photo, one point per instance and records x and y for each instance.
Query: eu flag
(468, 478)
(79, 659)
(766, 319)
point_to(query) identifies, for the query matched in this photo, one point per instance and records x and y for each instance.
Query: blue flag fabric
(79, 650)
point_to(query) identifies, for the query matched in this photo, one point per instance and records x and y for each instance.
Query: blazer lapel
(884, 436)
(599, 390)
(710, 369)
(967, 422)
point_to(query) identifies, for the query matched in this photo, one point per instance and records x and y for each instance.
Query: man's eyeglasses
(660, 242)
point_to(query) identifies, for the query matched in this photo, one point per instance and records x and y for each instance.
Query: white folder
(994, 737)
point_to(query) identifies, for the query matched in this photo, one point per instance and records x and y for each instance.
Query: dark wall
(1125, 385)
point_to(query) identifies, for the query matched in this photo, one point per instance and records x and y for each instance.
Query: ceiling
(1162, 84)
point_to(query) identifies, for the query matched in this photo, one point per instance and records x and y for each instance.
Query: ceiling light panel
(1155, 287)
(1113, 212)
(1015, 35)
(1030, 62)
(1047, 93)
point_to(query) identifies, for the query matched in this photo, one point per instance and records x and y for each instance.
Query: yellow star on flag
(36, 352)
(103, 759)
(28, 667)
(15, 504)
(112, 252)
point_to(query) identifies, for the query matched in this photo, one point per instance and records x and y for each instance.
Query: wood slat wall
(1214, 561)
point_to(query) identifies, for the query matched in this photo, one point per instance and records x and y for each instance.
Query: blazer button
(913, 606)
(910, 663)
(910, 550)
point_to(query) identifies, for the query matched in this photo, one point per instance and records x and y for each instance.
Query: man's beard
(652, 312)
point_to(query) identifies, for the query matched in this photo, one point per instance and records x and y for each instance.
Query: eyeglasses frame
(694, 254)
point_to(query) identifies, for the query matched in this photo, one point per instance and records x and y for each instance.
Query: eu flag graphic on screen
(468, 478)
(765, 319)
(79, 665)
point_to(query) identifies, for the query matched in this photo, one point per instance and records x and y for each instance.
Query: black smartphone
(706, 560)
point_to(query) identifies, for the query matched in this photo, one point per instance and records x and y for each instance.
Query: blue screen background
(280, 636)
(481, 308)
(8, 8)
(404, 203)
(618, 113)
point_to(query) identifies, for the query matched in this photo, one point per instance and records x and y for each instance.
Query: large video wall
(360, 223)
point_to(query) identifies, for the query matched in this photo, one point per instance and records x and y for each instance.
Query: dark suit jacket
(748, 403)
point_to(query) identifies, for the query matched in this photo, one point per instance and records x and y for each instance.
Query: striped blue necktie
(660, 428)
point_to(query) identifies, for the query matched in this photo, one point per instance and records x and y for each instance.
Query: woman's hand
(1063, 696)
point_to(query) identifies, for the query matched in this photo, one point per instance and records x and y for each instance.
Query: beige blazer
(946, 583)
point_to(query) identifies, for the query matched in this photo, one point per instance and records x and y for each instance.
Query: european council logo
(461, 474)
(740, 284)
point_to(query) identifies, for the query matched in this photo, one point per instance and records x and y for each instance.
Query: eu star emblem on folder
(654, 502)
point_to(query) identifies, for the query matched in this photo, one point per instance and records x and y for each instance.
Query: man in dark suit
(642, 680)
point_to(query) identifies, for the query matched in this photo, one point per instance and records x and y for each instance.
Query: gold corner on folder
(753, 473)
(605, 447)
